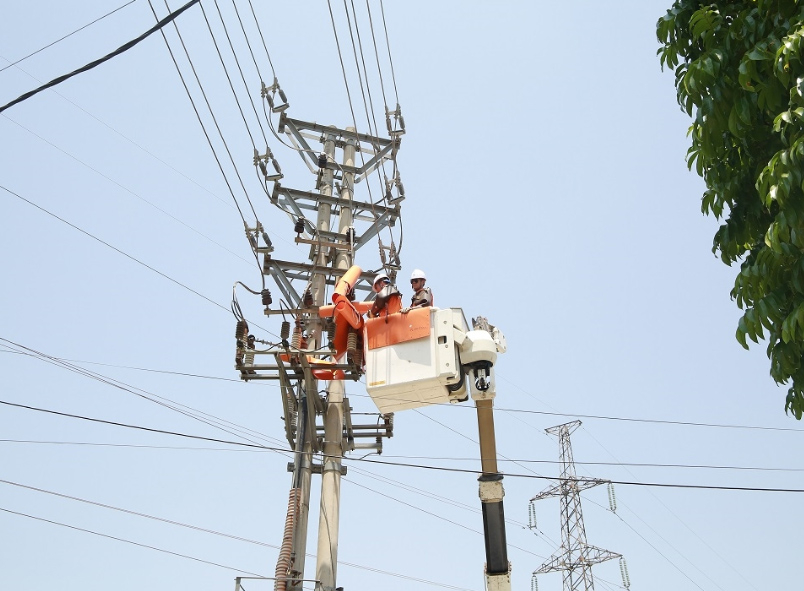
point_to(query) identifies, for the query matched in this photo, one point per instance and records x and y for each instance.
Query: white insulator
(612, 499)
(532, 515)
(534, 583)
(624, 573)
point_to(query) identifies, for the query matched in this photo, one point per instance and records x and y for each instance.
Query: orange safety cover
(329, 310)
(347, 282)
(319, 367)
(398, 328)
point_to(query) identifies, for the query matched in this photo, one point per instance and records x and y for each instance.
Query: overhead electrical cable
(204, 129)
(349, 94)
(207, 419)
(136, 260)
(211, 113)
(131, 445)
(464, 408)
(141, 428)
(147, 266)
(369, 103)
(89, 531)
(127, 190)
(409, 465)
(100, 18)
(208, 531)
(128, 139)
(376, 54)
(248, 43)
(123, 48)
(138, 514)
(703, 571)
(656, 421)
(262, 37)
(161, 371)
(435, 515)
(239, 69)
(388, 45)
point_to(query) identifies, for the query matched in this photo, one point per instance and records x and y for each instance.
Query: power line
(187, 411)
(136, 260)
(200, 529)
(149, 547)
(123, 48)
(141, 428)
(510, 410)
(162, 371)
(657, 421)
(66, 36)
(401, 464)
(127, 190)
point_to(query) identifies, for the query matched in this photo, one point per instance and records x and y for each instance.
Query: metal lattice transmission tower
(575, 557)
(330, 224)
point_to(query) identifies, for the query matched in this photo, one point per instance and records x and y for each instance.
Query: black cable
(123, 48)
(147, 266)
(657, 421)
(210, 420)
(147, 516)
(89, 531)
(66, 36)
(40, 208)
(402, 464)
(127, 190)
(210, 531)
(141, 428)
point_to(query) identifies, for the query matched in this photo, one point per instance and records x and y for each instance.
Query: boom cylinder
(491, 496)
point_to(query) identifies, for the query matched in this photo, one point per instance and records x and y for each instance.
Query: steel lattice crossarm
(567, 486)
(579, 558)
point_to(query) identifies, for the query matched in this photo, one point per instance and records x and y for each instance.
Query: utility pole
(329, 517)
(575, 557)
(318, 425)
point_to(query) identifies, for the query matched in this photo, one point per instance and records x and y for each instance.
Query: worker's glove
(404, 310)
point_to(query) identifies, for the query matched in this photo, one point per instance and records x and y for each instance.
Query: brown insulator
(297, 336)
(284, 332)
(351, 341)
(308, 298)
(356, 357)
(241, 330)
(299, 226)
(267, 300)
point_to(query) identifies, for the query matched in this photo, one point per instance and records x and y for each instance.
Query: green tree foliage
(739, 73)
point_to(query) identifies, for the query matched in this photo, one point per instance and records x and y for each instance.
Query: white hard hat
(417, 274)
(380, 277)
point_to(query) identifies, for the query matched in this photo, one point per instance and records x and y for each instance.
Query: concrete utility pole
(329, 518)
(315, 424)
(575, 557)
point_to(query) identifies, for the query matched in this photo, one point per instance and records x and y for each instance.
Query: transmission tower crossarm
(568, 486)
(581, 557)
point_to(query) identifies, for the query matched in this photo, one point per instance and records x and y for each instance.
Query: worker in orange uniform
(388, 297)
(422, 295)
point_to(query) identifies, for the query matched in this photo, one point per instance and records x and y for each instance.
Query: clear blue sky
(546, 190)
